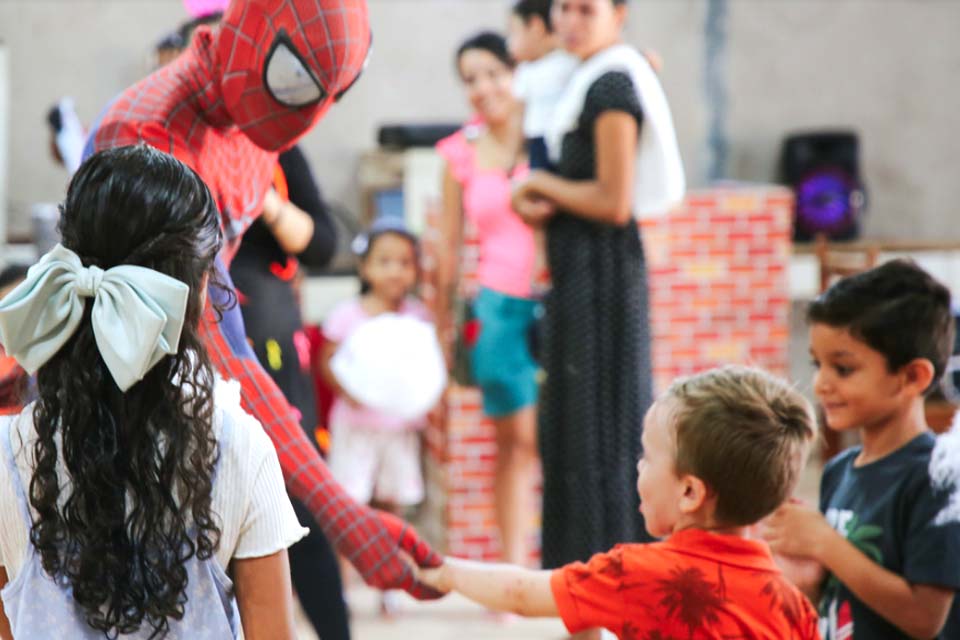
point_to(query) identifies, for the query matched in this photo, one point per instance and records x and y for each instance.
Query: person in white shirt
(138, 499)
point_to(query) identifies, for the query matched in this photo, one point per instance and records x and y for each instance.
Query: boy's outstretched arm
(918, 610)
(500, 587)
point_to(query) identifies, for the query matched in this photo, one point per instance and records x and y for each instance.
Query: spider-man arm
(372, 540)
(110, 133)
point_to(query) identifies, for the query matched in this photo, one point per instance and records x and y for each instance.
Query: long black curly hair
(137, 506)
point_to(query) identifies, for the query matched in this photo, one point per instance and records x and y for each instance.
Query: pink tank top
(507, 252)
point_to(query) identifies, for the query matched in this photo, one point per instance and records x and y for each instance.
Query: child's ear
(694, 495)
(918, 374)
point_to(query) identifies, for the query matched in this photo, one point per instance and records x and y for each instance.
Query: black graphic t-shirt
(888, 509)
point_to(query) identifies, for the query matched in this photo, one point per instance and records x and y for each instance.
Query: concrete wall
(887, 68)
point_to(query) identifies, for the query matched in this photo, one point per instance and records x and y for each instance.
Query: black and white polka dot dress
(597, 359)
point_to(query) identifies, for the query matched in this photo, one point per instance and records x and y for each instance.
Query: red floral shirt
(696, 584)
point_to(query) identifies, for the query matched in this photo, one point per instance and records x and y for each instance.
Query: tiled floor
(452, 618)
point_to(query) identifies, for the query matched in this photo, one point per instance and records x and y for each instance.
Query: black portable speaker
(823, 169)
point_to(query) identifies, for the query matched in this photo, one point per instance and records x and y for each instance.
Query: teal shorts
(501, 362)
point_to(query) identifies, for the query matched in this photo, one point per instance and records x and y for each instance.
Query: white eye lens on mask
(288, 78)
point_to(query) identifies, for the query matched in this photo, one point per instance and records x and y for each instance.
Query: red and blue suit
(238, 95)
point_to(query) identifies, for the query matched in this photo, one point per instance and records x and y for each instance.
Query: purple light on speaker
(824, 201)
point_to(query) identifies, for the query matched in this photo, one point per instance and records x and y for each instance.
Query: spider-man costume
(236, 96)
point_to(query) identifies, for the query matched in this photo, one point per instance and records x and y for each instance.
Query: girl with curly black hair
(134, 484)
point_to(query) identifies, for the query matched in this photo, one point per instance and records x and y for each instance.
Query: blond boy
(722, 450)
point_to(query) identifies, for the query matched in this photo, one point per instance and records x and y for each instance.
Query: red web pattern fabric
(179, 110)
(334, 34)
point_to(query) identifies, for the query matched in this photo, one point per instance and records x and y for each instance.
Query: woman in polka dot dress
(597, 354)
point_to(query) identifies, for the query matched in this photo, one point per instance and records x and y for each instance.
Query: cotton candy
(394, 364)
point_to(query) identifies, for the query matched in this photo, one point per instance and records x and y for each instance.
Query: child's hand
(447, 337)
(796, 529)
(329, 351)
(349, 399)
(433, 577)
(353, 402)
(804, 573)
(438, 414)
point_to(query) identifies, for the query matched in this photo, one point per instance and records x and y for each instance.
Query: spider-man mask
(284, 62)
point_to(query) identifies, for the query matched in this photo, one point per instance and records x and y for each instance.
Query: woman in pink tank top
(481, 161)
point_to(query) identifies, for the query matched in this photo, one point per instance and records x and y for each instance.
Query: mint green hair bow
(137, 314)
